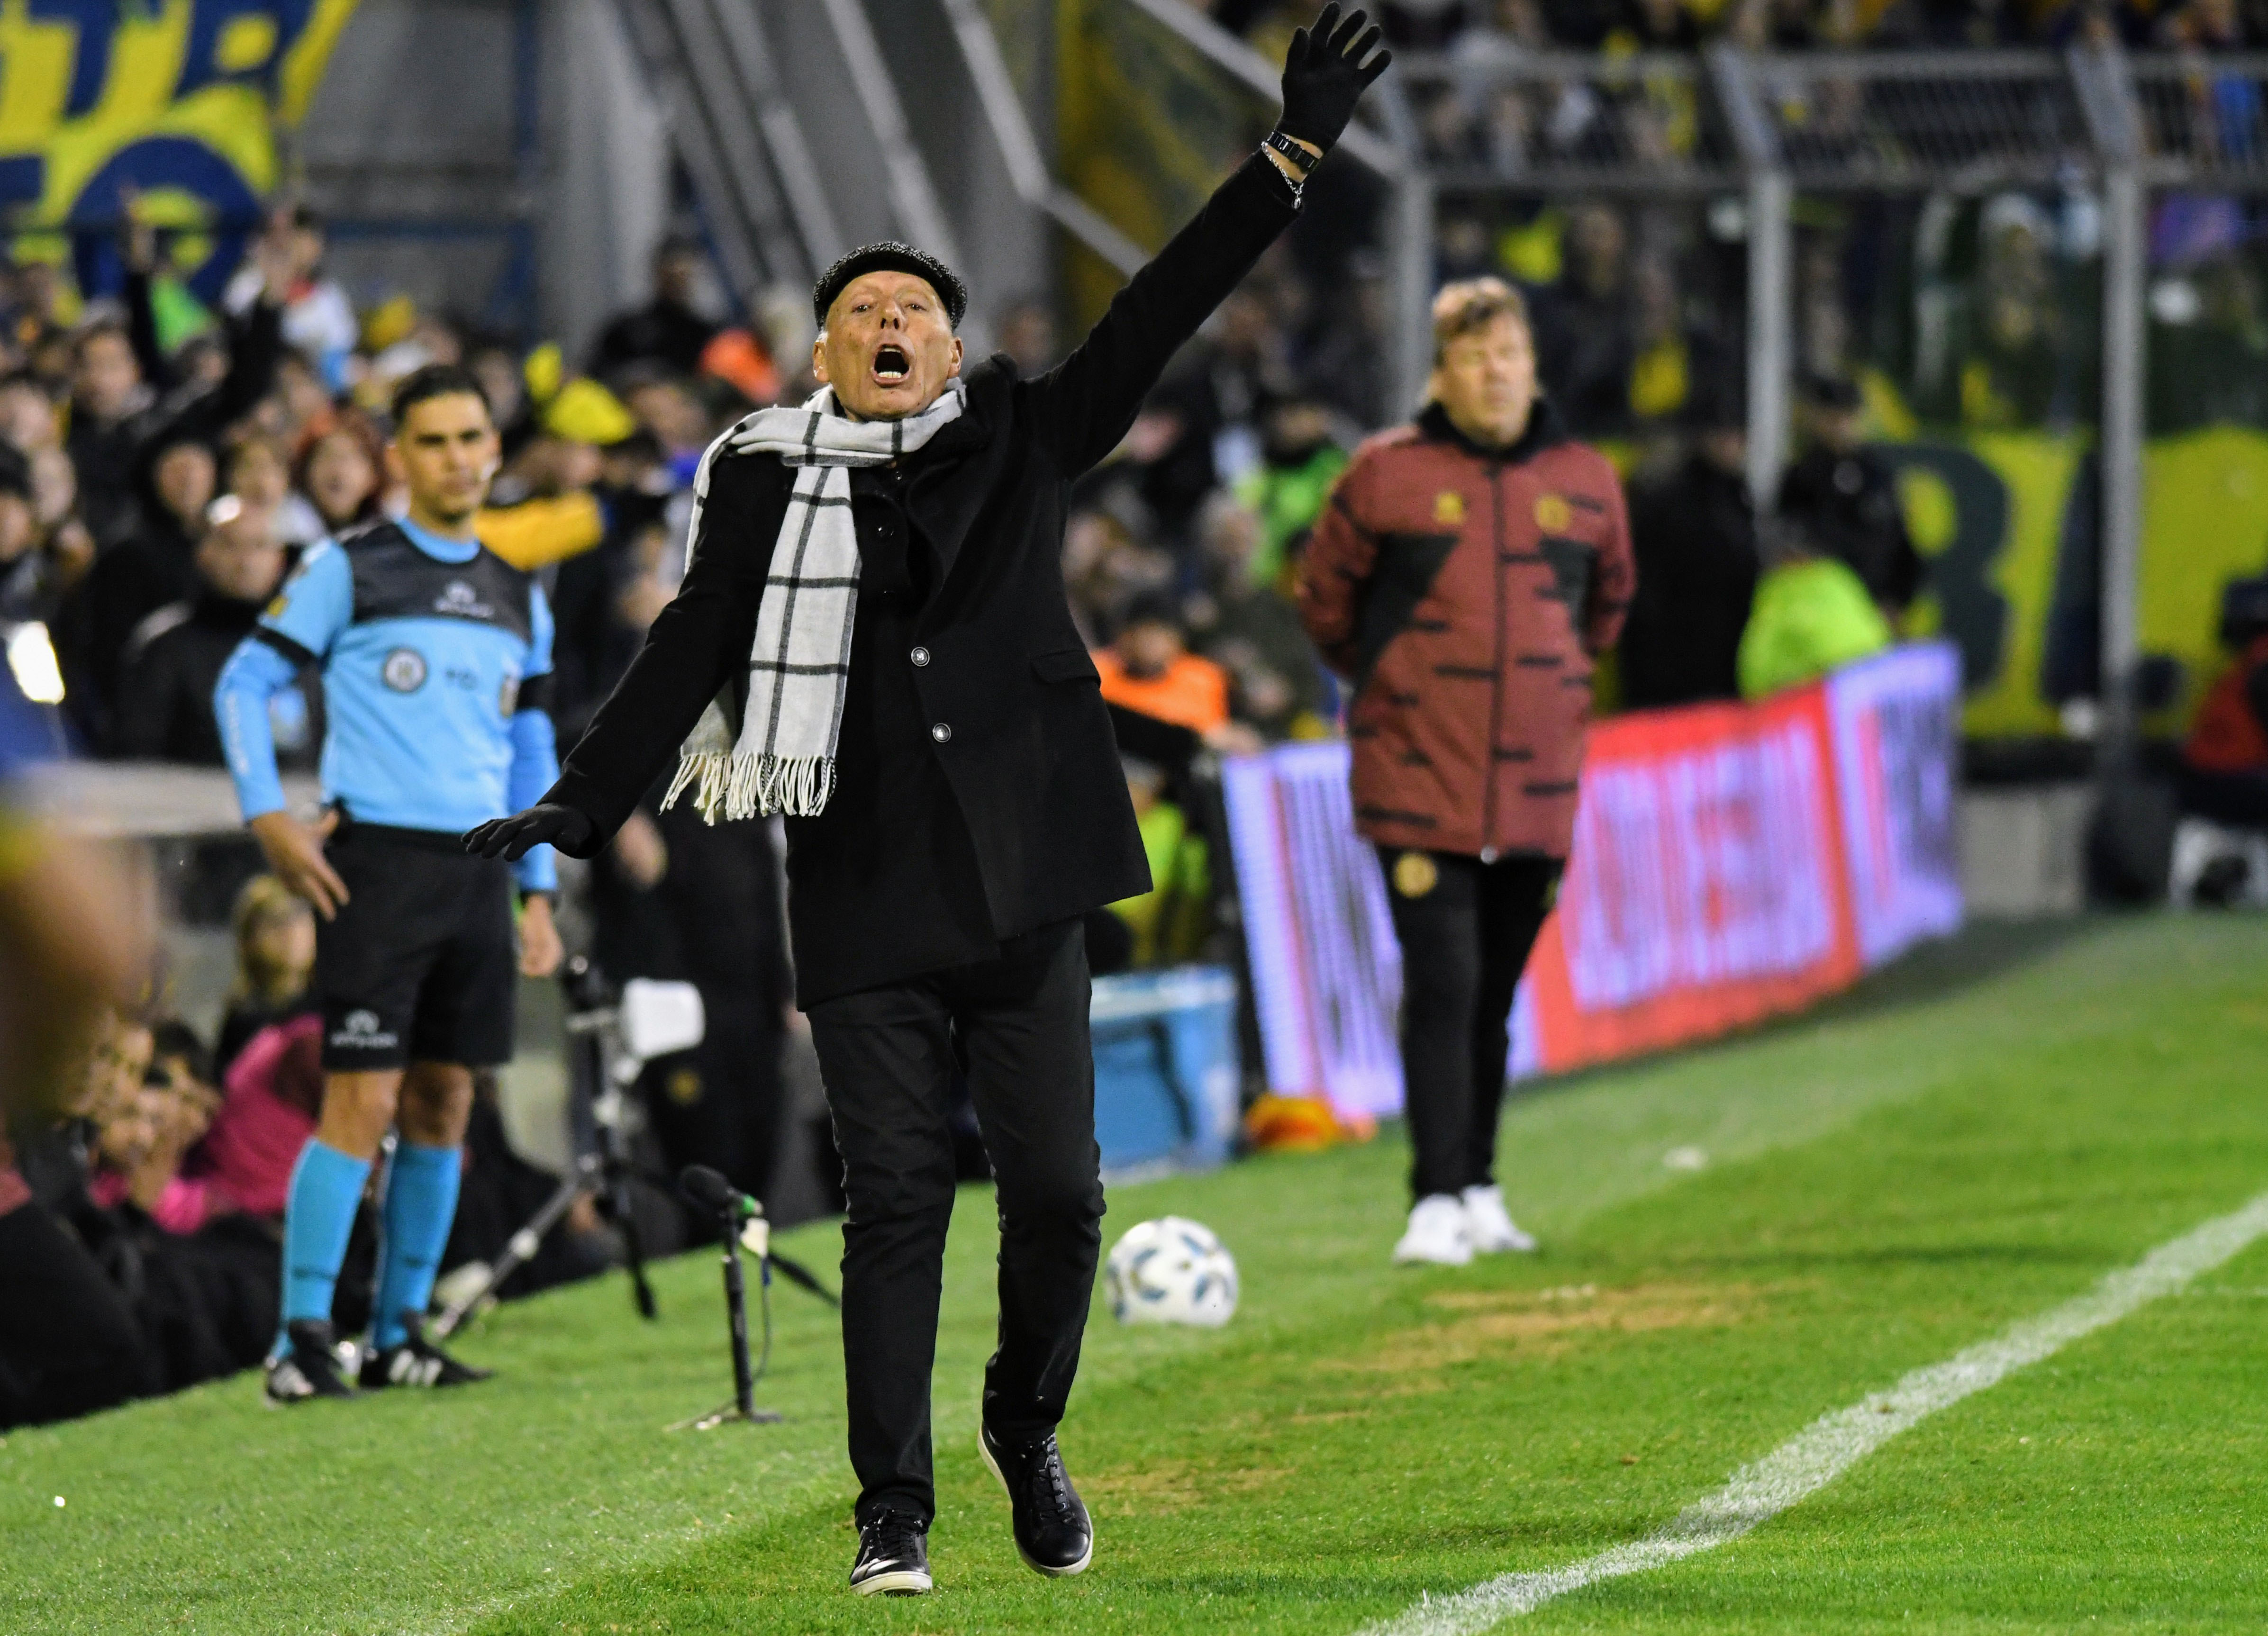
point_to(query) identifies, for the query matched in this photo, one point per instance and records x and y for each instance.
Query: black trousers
(1466, 928)
(1017, 1027)
(2239, 800)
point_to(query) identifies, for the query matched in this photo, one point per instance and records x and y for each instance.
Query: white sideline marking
(1828, 1446)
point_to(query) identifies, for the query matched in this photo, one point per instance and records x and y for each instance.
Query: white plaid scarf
(777, 754)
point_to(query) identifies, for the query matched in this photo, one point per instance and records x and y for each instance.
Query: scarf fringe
(743, 786)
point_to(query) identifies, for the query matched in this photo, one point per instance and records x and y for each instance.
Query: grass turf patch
(1968, 1140)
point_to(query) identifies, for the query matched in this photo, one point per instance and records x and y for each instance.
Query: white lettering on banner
(1895, 721)
(1354, 962)
(1700, 867)
(1326, 968)
(1248, 788)
(1697, 868)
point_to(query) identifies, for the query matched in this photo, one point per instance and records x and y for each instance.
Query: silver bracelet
(1299, 185)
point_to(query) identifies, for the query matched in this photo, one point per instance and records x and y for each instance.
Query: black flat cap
(890, 256)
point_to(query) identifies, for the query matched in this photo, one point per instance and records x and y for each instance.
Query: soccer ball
(1171, 1270)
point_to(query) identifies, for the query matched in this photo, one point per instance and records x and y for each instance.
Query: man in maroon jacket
(1469, 570)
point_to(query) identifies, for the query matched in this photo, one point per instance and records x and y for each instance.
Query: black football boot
(416, 1362)
(307, 1367)
(1054, 1535)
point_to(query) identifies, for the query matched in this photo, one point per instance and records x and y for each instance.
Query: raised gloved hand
(1325, 76)
(562, 827)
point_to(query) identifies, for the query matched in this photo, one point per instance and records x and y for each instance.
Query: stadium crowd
(1627, 26)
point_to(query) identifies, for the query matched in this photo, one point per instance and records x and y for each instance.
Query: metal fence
(1648, 123)
(1773, 130)
(1745, 141)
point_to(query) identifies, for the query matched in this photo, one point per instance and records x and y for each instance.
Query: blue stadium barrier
(1166, 1072)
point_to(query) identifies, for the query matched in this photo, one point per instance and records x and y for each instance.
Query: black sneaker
(1054, 1535)
(893, 1557)
(416, 1362)
(307, 1367)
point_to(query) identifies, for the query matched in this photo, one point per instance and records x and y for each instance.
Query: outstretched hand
(1325, 76)
(549, 823)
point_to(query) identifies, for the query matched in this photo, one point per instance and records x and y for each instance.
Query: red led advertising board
(1731, 861)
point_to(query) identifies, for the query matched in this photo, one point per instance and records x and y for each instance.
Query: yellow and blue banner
(2008, 522)
(176, 99)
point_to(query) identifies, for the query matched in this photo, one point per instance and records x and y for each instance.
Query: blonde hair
(264, 900)
(1471, 304)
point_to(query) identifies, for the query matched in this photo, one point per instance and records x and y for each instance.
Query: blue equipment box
(1167, 1072)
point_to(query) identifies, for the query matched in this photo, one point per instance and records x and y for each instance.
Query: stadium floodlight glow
(32, 659)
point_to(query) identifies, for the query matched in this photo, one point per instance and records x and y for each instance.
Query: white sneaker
(1437, 1233)
(1492, 1231)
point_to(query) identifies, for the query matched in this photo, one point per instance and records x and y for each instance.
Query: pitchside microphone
(745, 1216)
(710, 1191)
(744, 1223)
(707, 1190)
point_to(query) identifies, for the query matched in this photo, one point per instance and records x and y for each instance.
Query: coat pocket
(1065, 665)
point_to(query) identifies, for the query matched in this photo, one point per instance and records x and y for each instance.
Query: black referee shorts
(421, 963)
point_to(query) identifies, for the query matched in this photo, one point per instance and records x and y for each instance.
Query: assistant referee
(436, 658)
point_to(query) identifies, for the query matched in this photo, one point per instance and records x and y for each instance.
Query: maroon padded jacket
(1465, 593)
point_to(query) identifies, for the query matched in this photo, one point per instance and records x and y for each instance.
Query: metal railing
(1647, 123)
(1393, 156)
(1769, 127)
(718, 117)
(1968, 121)
(1762, 128)
(2200, 119)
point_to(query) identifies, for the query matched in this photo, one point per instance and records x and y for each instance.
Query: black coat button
(942, 732)
(921, 655)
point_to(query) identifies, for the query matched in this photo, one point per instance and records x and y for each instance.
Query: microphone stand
(742, 1409)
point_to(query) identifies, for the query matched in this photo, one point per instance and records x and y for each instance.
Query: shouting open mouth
(892, 366)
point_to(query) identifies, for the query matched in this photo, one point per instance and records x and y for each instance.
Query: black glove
(562, 827)
(1324, 76)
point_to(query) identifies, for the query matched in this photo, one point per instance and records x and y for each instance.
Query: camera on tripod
(611, 1036)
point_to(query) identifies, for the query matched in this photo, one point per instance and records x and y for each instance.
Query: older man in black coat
(964, 805)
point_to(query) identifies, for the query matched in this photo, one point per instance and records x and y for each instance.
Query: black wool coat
(979, 793)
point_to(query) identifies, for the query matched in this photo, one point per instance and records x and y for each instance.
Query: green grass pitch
(1976, 1136)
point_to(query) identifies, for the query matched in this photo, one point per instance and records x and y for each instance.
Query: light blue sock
(421, 1202)
(317, 1217)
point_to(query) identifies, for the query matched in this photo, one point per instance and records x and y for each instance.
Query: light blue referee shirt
(435, 656)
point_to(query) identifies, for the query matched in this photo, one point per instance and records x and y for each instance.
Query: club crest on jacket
(1416, 873)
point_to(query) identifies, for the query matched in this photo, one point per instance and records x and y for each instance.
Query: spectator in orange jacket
(1466, 575)
(1149, 669)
